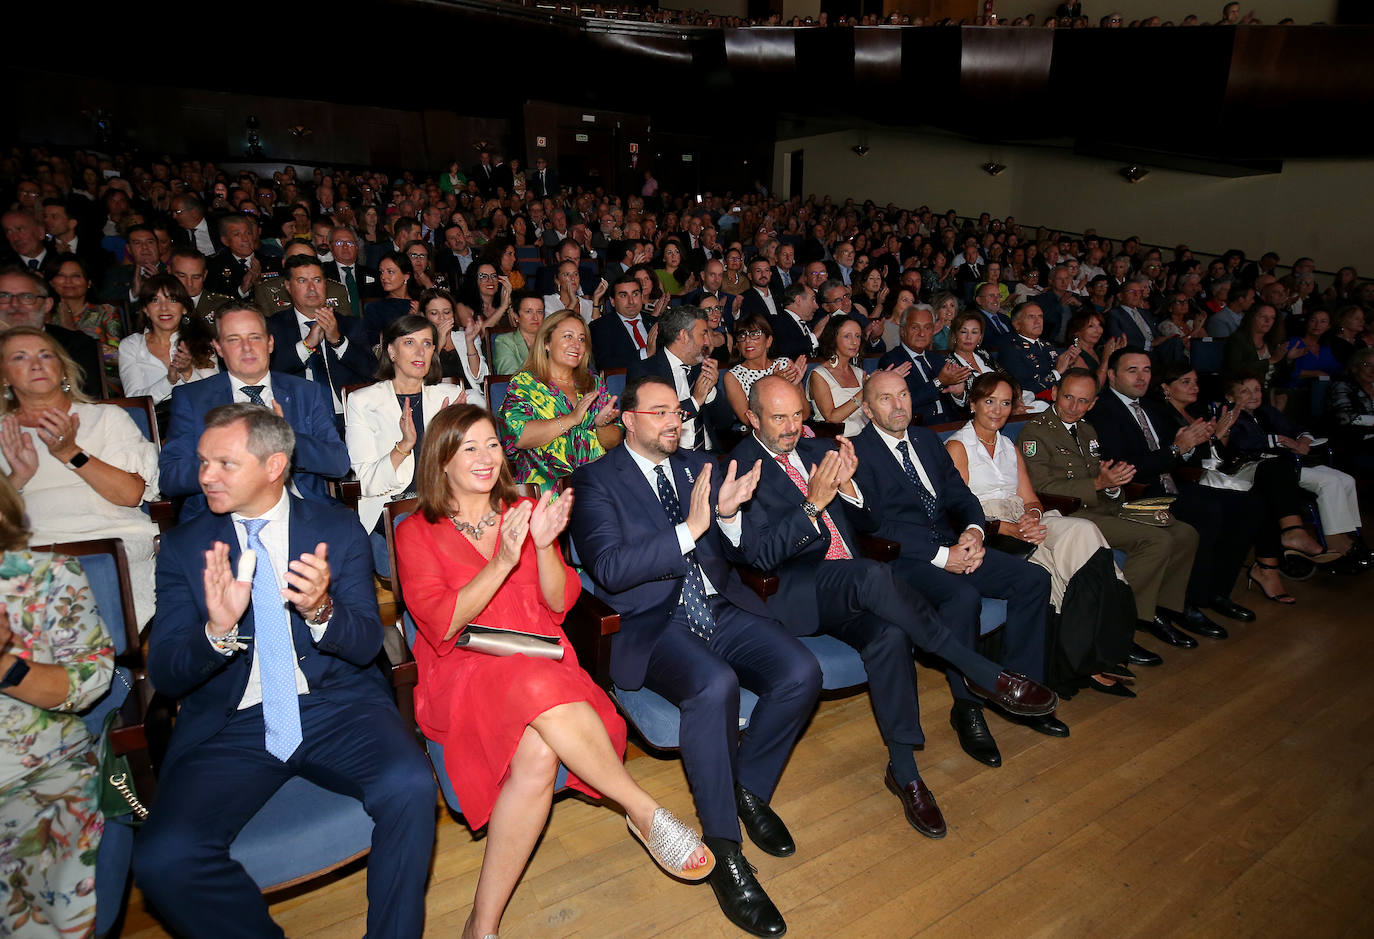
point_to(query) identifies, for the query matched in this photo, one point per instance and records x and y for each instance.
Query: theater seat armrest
(879, 549)
(763, 583)
(1190, 474)
(163, 513)
(348, 491)
(1067, 505)
(589, 626)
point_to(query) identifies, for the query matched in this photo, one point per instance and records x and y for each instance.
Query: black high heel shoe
(1251, 581)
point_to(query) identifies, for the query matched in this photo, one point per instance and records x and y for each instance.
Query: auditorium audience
(56, 660)
(754, 360)
(459, 347)
(72, 286)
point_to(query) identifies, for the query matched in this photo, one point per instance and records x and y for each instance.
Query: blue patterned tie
(699, 618)
(925, 495)
(281, 709)
(254, 393)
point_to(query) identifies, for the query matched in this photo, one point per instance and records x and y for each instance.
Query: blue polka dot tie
(281, 709)
(699, 618)
(925, 495)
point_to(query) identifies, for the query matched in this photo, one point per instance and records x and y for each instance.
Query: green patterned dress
(529, 399)
(50, 822)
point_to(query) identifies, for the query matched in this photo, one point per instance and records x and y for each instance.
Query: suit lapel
(636, 487)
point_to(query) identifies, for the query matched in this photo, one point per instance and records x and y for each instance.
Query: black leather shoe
(1195, 621)
(918, 804)
(968, 722)
(1047, 724)
(741, 897)
(1161, 630)
(1139, 655)
(763, 825)
(1116, 689)
(1231, 610)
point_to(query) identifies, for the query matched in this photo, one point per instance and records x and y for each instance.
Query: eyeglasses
(349, 244)
(749, 334)
(662, 413)
(486, 276)
(416, 254)
(23, 299)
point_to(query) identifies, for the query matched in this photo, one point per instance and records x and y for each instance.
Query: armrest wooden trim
(763, 583)
(589, 626)
(879, 549)
(1067, 505)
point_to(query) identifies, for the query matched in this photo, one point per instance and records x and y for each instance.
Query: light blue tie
(281, 710)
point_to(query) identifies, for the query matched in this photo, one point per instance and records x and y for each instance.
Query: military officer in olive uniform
(271, 295)
(1031, 360)
(1061, 455)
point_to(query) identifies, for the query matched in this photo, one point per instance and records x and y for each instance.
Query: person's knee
(803, 675)
(716, 688)
(164, 857)
(887, 643)
(404, 782)
(535, 764)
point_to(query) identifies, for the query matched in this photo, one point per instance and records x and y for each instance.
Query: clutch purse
(493, 640)
(1009, 545)
(1154, 511)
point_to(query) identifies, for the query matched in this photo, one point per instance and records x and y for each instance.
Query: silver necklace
(474, 531)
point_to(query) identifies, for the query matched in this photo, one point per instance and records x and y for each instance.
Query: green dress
(529, 399)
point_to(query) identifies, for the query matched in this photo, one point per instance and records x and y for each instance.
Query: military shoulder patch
(1028, 447)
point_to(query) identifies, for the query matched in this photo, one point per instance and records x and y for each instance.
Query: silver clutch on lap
(493, 640)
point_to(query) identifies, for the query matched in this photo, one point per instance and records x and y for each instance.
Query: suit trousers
(703, 678)
(352, 743)
(864, 604)
(1228, 523)
(1158, 560)
(958, 598)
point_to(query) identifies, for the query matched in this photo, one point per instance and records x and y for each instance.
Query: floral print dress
(50, 822)
(529, 399)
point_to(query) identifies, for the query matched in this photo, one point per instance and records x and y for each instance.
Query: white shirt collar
(1124, 399)
(280, 512)
(891, 442)
(648, 468)
(676, 364)
(235, 385)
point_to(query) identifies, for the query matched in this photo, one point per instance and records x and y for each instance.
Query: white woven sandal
(671, 843)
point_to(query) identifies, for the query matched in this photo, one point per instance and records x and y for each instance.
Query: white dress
(1069, 542)
(63, 507)
(839, 395)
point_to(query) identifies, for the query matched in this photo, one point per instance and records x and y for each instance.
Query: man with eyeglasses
(361, 283)
(26, 301)
(238, 269)
(271, 295)
(192, 228)
(660, 530)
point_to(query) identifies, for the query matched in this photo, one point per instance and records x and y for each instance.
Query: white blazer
(372, 428)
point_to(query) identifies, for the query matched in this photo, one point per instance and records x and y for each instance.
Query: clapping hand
(823, 483)
(1192, 435)
(849, 461)
(699, 512)
(550, 517)
(226, 599)
(1112, 474)
(515, 525)
(307, 580)
(57, 429)
(737, 490)
(706, 380)
(19, 451)
(325, 319)
(1066, 359)
(1226, 420)
(408, 433)
(952, 373)
(901, 368)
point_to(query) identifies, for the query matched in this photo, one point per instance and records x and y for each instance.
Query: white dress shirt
(201, 240)
(732, 530)
(630, 331)
(276, 538)
(856, 500)
(236, 390)
(942, 552)
(690, 426)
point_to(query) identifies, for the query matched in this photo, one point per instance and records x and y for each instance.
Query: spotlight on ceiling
(859, 150)
(1133, 173)
(994, 169)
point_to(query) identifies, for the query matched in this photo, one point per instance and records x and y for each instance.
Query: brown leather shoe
(919, 805)
(1018, 694)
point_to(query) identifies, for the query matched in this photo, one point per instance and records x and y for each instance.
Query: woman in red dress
(474, 552)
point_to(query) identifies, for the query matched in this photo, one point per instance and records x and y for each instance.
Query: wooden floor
(1232, 798)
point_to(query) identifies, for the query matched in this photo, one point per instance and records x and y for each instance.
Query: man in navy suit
(659, 530)
(270, 690)
(684, 358)
(931, 373)
(243, 342)
(627, 337)
(1128, 318)
(796, 328)
(998, 329)
(809, 513)
(1140, 431)
(712, 276)
(312, 340)
(940, 526)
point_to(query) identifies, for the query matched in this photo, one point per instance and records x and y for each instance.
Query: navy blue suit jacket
(1120, 438)
(183, 664)
(787, 540)
(623, 537)
(1119, 323)
(789, 339)
(927, 402)
(319, 452)
(708, 416)
(903, 518)
(612, 346)
(356, 366)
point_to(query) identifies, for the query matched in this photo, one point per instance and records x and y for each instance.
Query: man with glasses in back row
(26, 301)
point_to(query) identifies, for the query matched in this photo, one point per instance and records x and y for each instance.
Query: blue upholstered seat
(496, 391)
(302, 830)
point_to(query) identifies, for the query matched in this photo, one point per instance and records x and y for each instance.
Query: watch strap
(15, 674)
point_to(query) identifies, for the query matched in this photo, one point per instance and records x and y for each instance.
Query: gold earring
(66, 385)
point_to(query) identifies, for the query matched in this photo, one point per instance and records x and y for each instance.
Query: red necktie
(837, 551)
(639, 336)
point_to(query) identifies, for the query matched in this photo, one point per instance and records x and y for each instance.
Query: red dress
(479, 705)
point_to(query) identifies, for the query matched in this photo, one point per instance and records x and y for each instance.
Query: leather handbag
(115, 794)
(1153, 511)
(493, 640)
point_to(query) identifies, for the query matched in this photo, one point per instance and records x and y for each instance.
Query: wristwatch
(16, 674)
(79, 460)
(323, 612)
(811, 509)
(1175, 451)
